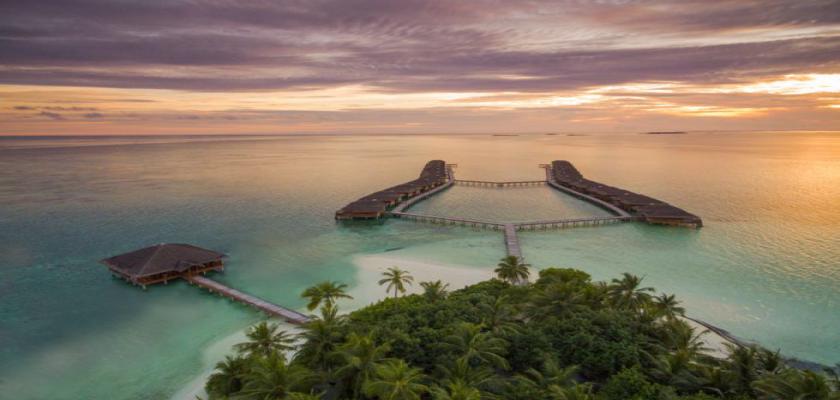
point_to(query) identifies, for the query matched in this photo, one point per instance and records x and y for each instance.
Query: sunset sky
(417, 66)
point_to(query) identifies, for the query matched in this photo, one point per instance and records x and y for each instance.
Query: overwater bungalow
(164, 262)
(377, 204)
(645, 208)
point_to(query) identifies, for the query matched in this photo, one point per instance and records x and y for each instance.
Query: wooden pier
(433, 219)
(569, 223)
(512, 241)
(499, 184)
(290, 316)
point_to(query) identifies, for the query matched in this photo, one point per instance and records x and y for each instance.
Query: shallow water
(766, 266)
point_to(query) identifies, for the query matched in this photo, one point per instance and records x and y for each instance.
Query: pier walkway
(433, 219)
(512, 241)
(499, 184)
(291, 316)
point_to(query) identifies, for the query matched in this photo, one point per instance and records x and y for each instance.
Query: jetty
(269, 308)
(437, 176)
(512, 241)
(164, 262)
(499, 184)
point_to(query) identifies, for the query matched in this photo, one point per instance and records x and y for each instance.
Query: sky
(86, 67)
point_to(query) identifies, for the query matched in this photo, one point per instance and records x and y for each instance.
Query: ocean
(766, 266)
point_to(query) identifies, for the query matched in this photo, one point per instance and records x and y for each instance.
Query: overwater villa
(164, 262)
(645, 208)
(377, 204)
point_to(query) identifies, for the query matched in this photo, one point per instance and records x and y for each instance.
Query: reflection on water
(765, 266)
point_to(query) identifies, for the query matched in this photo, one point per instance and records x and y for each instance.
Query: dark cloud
(409, 45)
(51, 115)
(712, 16)
(74, 108)
(94, 115)
(23, 108)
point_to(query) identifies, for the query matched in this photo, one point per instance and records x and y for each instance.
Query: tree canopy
(562, 336)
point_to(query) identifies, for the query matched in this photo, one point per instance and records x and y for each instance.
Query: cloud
(94, 115)
(23, 108)
(52, 115)
(74, 108)
(409, 45)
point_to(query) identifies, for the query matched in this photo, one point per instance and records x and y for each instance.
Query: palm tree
(396, 280)
(434, 291)
(668, 306)
(474, 345)
(557, 299)
(361, 356)
(574, 392)
(511, 269)
(770, 362)
(461, 372)
(228, 376)
(552, 375)
(272, 378)
(265, 339)
(302, 396)
(626, 293)
(396, 380)
(499, 316)
(325, 292)
(320, 337)
(795, 384)
(680, 336)
(741, 365)
(714, 379)
(457, 390)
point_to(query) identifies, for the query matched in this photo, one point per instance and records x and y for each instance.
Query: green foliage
(265, 339)
(326, 293)
(601, 342)
(631, 384)
(396, 280)
(564, 337)
(511, 269)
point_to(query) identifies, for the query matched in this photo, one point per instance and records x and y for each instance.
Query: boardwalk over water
(244, 298)
(499, 184)
(512, 241)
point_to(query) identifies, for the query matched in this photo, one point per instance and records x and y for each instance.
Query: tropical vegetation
(561, 337)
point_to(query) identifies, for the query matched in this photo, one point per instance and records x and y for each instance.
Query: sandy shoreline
(368, 291)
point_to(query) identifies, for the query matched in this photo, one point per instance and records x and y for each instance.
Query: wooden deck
(512, 241)
(433, 219)
(570, 223)
(499, 184)
(291, 316)
(510, 228)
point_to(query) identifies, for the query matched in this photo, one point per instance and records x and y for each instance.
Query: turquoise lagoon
(766, 266)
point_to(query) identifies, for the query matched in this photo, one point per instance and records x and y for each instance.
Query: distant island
(665, 133)
(562, 336)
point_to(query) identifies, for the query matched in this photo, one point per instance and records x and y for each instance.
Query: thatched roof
(164, 257)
